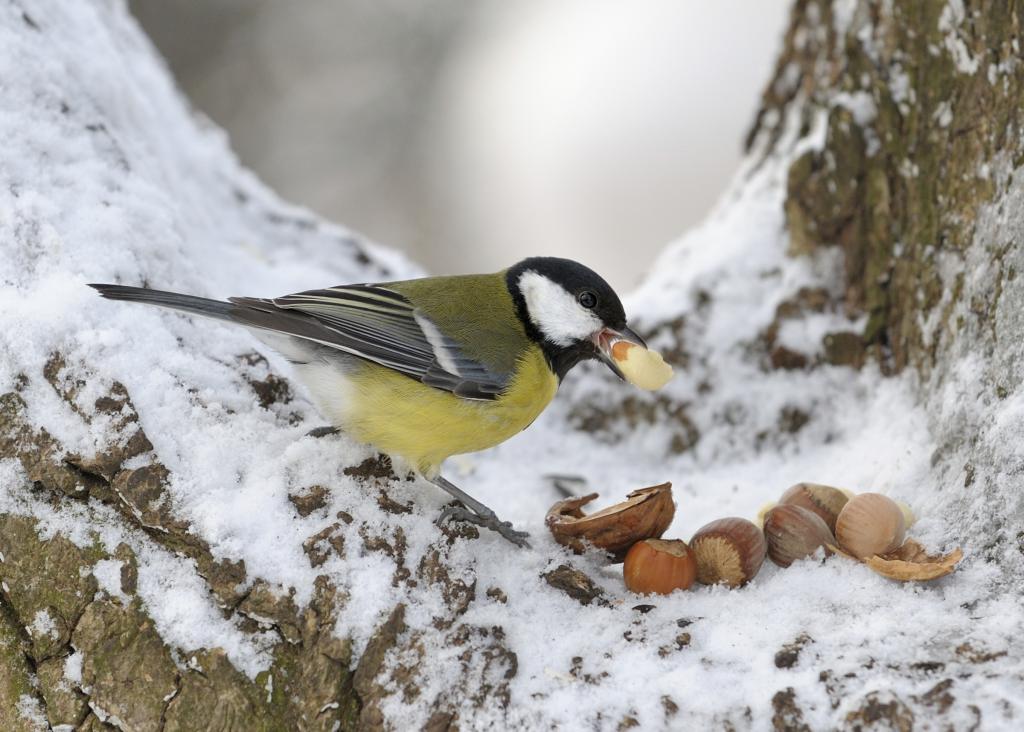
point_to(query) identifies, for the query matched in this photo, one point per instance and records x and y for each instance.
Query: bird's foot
(323, 431)
(456, 512)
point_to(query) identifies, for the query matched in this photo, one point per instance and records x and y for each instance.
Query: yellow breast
(424, 425)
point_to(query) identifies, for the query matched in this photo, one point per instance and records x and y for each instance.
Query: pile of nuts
(808, 517)
(728, 551)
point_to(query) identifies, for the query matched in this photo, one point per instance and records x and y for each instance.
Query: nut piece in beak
(641, 366)
(645, 514)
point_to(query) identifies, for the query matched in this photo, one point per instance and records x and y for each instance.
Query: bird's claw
(455, 512)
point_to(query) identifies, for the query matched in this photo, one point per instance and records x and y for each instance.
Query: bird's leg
(476, 513)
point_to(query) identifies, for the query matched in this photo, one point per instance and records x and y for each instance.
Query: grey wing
(379, 325)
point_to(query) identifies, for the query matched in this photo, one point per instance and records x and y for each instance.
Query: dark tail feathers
(187, 303)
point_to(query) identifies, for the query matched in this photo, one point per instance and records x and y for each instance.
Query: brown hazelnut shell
(823, 500)
(870, 524)
(729, 551)
(793, 532)
(659, 566)
(646, 513)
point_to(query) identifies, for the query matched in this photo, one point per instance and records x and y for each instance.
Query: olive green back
(477, 311)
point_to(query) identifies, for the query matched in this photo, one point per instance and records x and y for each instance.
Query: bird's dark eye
(587, 299)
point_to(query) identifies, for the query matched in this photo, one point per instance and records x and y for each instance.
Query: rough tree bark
(918, 182)
(922, 105)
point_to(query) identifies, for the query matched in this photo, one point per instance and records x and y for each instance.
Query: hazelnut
(645, 514)
(794, 532)
(823, 500)
(659, 566)
(870, 524)
(729, 551)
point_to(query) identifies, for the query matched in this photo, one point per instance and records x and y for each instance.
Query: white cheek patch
(555, 311)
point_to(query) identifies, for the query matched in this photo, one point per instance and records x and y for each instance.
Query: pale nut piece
(645, 514)
(764, 510)
(659, 566)
(870, 524)
(641, 366)
(824, 500)
(793, 532)
(729, 551)
(909, 519)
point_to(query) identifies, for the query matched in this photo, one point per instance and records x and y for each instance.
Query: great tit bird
(433, 367)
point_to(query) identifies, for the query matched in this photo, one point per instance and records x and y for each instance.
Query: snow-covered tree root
(177, 553)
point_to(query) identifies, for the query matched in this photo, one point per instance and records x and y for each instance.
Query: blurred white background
(472, 134)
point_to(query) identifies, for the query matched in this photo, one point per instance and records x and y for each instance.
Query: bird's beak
(605, 338)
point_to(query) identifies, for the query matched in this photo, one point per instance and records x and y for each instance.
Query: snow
(43, 625)
(860, 104)
(157, 197)
(953, 16)
(172, 593)
(900, 87)
(842, 16)
(944, 114)
(73, 668)
(108, 576)
(31, 711)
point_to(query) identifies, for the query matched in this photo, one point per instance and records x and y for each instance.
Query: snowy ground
(112, 181)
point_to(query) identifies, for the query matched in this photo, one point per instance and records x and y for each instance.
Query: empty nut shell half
(659, 566)
(793, 532)
(729, 551)
(870, 524)
(912, 562)
(823, 500)
(646, 513)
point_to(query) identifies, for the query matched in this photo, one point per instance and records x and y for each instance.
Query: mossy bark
(53, 612)
(16, 672)
(52, 608)
(922, 113)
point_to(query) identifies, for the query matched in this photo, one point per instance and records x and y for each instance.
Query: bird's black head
(569, 310)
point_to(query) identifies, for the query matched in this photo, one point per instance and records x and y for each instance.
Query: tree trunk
(922, 113)
(918, 182)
